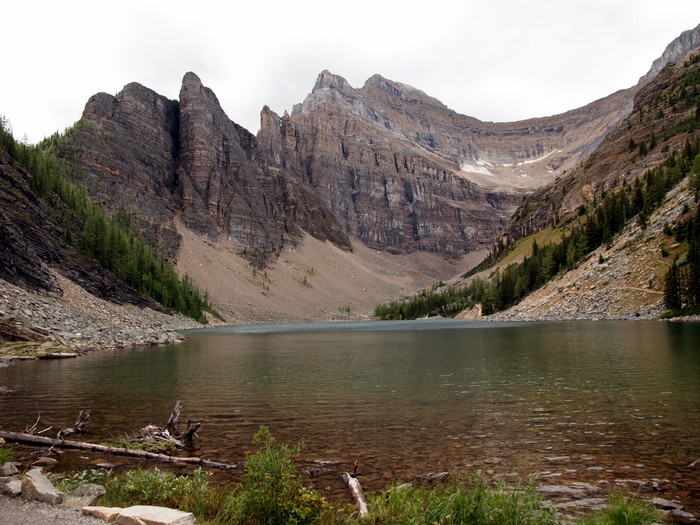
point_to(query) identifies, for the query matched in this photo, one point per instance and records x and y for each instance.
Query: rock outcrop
(126, 148)
(226, 193)
(157, 159)
(681, 46)
(37, 487)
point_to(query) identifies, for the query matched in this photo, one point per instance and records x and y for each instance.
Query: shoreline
(78, 323)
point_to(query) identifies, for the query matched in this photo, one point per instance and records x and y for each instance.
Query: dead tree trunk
(171, 425)
(30, 439)
(77, 428)
(192, 428)
(358, 495)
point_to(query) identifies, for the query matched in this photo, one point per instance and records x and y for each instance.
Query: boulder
(667, 504)
(561, 490)
(84, 495)
(10, 486)
(108, 514)
(35, 486)
(9, 468)
(681, 516)
(151, 515)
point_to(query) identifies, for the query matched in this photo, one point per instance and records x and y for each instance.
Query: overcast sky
(499, 60)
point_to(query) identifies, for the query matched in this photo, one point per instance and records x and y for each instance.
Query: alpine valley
(358, 197)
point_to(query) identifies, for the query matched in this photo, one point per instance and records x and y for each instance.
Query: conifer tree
(672, 289)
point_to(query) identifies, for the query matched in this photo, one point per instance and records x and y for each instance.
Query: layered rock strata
(386, 164)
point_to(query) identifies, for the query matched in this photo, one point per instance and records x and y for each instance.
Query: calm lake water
(569, 401)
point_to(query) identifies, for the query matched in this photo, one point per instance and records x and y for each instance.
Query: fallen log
(356, 490)
(29, 439)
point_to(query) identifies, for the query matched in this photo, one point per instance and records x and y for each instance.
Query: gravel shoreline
(16, 511)
(78, 322)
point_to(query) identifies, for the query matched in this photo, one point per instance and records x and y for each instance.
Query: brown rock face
(158, 159)
(403, 172)
(226, 193)
(126, 147)
(386, 164)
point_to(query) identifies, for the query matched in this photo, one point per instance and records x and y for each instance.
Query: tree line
(682, 284)
(107, 239)
(592, 227)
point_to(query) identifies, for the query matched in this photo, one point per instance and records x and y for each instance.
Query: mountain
(382, 185)
(159, 159)
(650, 164)
(385, 164)
(384, 167)
(658, 109)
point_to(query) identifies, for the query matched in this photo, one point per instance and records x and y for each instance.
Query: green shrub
(73, 481)
(190, 493)
(271, 493)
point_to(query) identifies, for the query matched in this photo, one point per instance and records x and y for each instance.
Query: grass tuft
(622, 510)
(6, 454)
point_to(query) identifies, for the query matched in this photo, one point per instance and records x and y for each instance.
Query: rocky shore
(32, 499)
(76, 322)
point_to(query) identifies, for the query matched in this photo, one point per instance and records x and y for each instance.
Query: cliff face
(403, 172)
(385, 163)
(126, 148)
(382, 188)
(159, 160)
(681, 46)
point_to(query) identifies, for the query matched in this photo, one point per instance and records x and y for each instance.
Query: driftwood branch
(171, 425)
(356, 490)
(35, 426)
(192, 427)
(29, 439)
(169, 433)
(77, 428)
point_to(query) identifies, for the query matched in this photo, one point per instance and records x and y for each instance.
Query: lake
(585, 401)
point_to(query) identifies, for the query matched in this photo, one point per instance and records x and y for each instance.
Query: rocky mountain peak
(681, 46)
(385, 85)
(191, 81)
(403, 92)
(329, 88)
(327, 80)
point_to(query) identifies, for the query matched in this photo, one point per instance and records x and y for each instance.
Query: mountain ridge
(384, 167)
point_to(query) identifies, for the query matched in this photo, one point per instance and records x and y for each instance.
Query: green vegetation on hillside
(581, 234)
(106, 239)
